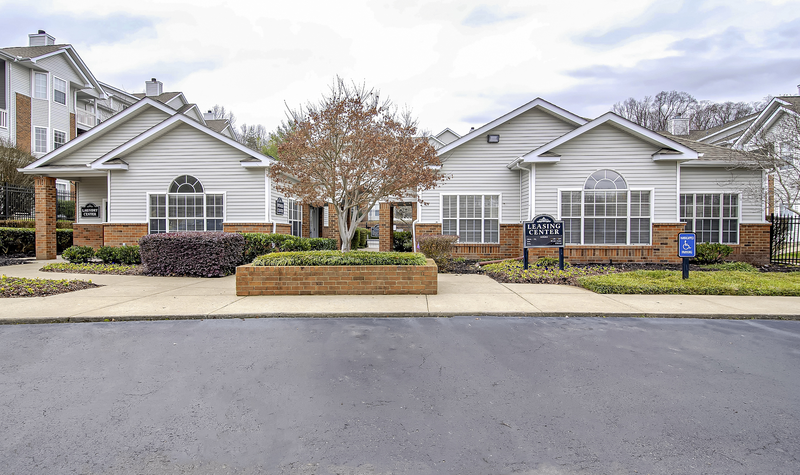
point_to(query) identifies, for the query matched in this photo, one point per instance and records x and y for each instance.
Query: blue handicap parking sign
(686, 244)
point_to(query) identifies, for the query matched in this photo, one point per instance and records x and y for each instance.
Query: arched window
(605, 211)
(186, 184)
(186, 207)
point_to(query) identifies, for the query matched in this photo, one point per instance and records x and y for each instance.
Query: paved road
(464, 395)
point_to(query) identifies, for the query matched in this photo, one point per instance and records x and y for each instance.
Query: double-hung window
(40, 139)
(40, 85)
(605, 212)
(59, 91)
(714, 217)
(295, 217)
(186, 207)
(59, 139)
(473, 218)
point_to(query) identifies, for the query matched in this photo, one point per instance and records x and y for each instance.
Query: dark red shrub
(195, 254)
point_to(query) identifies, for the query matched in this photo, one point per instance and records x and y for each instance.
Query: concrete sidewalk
(146, 298)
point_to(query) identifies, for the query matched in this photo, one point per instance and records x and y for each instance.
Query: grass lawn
(699, 283)
(22, 287)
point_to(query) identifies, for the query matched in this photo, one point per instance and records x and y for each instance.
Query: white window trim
(738, 217)
(46, 139)
(204, 193)
(66, 137)
(483, 210)
(66, 91)
(288, 211)
(628, 214)
(46, 87)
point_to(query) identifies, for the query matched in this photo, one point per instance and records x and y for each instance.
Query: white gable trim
(768, 113)
(630, 127)
(164, 127)
(538, 102)
(448, 129)
(708, 138)
(98, 130)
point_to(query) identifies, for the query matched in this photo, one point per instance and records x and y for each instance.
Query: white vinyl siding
(185, 150)
(473, 218)
(478, 167)
(92, 190)
(111, 139)
(60, 66)
(748, 183)
(606, 147)
(524, 194)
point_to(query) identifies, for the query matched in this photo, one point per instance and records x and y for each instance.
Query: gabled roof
(28, 55)
(164, 97)
(708, 134)
(708, 152)
(776, 107)
(98, 130)
(543, 153)
(106, 161)
(115, 91)
(538, 102)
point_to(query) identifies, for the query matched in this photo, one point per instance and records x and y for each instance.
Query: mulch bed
(15, 259)
(14, 287)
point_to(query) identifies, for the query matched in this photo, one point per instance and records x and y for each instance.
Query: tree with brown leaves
(13, 157)
(352, 148)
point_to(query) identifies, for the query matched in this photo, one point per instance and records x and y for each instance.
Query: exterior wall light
(493, 138)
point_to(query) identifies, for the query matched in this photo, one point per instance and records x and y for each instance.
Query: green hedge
(338, 258)
(360, 238)
(23, 240)
(403, 241)
(257, 244)
(78, 254)
(126, 255)
(27, 223)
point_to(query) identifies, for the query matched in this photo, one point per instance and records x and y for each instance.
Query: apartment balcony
(3, 118)
(86, 120)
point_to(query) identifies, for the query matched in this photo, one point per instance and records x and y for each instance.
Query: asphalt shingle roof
(164, 97)
(710, 152)
(217, 125)
(32, 51)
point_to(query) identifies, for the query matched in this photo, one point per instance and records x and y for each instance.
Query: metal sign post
(543, 231)
(686, 250)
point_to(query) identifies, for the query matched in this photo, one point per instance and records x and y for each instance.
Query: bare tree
(219, 112)
(776, 151)
(13, 157)
(253, 136)
(353, 148)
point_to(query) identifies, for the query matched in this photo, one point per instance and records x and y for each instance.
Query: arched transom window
(605, 211)
(186, 207)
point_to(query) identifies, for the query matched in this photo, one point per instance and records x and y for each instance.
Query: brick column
(386, 231)
(73, 130)
(305, 224)
(45, 193)
(24, 122)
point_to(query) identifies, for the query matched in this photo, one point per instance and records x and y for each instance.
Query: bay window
(185, 207)
(473, 218)
(714, 217)
(605, 212)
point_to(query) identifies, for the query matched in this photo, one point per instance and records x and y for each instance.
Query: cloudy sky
(456, 64)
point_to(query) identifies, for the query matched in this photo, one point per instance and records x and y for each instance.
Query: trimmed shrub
(339, 258)
(198, 254)
(711, 253)
(23, 240)
(257, 244)
(438, 247)
(126, 255)
(550, 262)
(78, 254)
(24, 223)
(359, 240)
(402, 241)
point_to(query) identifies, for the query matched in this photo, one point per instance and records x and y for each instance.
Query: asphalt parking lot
(405, 395)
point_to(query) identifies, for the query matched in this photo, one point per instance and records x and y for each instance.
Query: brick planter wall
(88, 235)
(337, 280)
(127, 233)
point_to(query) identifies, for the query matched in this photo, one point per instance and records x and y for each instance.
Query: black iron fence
(784, 243)
(19, 203)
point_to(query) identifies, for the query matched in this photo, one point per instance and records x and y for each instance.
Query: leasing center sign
(543, 231)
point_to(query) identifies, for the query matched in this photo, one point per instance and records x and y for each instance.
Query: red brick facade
(386, 222)
(23, 122)
(45, 196)
(88, 235)
(127, 233)
(73, 129)
(753, 247)
(753, 244)
(337, 280)
(283, 228)
(247, 227)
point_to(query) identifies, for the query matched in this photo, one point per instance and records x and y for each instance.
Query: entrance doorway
(315, 221)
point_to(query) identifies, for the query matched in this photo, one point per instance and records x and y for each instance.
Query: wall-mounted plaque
(279, 207)
(90, 211)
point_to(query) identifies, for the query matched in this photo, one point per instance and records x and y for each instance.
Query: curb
(145, 318)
